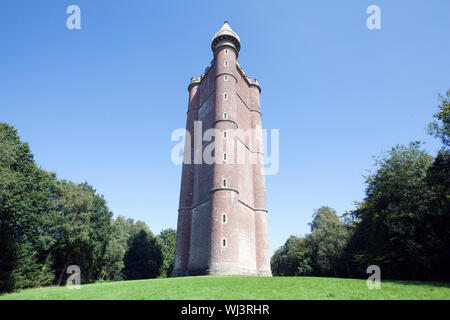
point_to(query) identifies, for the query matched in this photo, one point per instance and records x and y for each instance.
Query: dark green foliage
(47, 224)
(116, 249)
(144, 258)
(167, 241)
(292, 259)
(436, 224)
(131, 255)
(403, 225)
(318, 253)
(26, 192)
(396, 201)
(84, 230)
(326, 242)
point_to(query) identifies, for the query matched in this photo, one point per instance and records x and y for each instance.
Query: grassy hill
(241, 287)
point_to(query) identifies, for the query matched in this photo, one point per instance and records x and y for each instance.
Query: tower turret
(226, 37)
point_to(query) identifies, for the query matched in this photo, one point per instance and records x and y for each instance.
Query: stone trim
(216, 46)
(209, 142)
(218, 189)
(251, 208)
(223, 189)
(227, 74)
(257, 152)
(227, 120)
(198, 80)
(249, 80)
(251, 110)
(194, 82)
(194, 207)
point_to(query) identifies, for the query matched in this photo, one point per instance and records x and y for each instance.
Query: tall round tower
(222, 220)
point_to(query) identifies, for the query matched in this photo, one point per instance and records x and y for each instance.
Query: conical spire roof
(226, 35)
(226, 30)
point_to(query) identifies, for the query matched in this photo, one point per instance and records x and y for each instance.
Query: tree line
(402, 225)
(48, 224)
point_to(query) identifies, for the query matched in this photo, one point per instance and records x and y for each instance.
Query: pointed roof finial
(226, 36)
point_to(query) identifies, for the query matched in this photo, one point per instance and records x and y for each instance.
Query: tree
(84, 229)
(47, 224)
(116, 249)
(318, 253)
(292, 258)
(26, 215)
(167, 240)
(135, 227)
(390, 231)
(143, 259)
(327, 240)
(440, 128)
(435, 225)
(402, 225)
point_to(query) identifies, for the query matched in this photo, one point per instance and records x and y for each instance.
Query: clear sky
(99, 104)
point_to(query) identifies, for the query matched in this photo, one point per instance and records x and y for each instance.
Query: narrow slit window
(225, 63)
(225, 157)
(226, 51)
(225, 78)
(224, 182)
(224, 218)
(224, 134)
(225, 115)
(225, 96)
(224, 242)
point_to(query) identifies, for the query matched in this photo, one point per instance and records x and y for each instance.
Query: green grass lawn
(241, 287)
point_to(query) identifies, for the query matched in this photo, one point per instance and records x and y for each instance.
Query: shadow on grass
(418, 283)
(441, 284)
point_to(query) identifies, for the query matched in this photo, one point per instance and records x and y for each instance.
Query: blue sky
(99, 104)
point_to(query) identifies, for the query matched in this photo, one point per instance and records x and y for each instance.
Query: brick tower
(222, 218)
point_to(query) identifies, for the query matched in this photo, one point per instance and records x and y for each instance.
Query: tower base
(222, 269)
